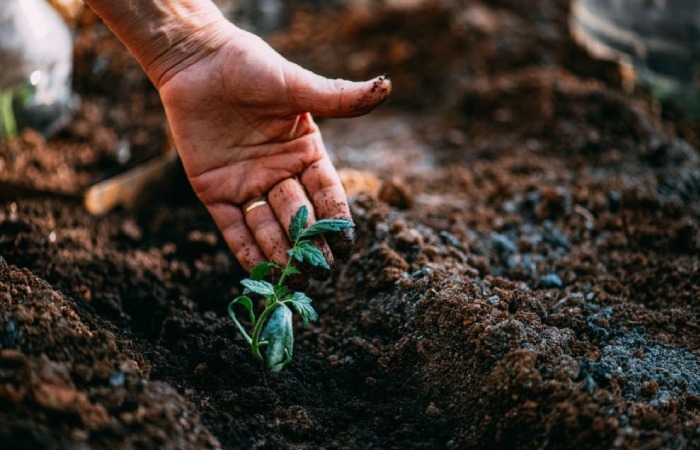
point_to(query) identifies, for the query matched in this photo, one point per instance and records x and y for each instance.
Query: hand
(241, 120)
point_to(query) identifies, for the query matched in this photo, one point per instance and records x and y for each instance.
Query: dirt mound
(526, 274)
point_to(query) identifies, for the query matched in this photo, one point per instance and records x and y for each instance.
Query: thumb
(324, 97)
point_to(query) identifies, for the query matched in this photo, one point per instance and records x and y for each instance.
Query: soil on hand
(526, 276)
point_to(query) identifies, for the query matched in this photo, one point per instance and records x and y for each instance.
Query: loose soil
(526, 276)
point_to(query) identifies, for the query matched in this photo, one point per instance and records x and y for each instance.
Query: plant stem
(255, 344)
(289, 262)
(8, 125)
(255, 339)
(232, 314)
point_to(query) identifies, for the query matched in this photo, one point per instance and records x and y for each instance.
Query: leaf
(291, 270)
(280, 290)
(298, 223)
(302, 305)
(259, 287)
(324, 226)
(247, 303)
(279, 335)
(262, 270)
(306, 252)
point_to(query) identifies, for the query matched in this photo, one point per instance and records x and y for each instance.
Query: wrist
(165, 36)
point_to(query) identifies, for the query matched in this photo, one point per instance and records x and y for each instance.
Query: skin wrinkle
(163, 34)
(280, 168)
(249, 154)
(256, 149)
(287, 87)
(172, 62)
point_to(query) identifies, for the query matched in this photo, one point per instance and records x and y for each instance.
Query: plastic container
(657, 42)
(36, 52)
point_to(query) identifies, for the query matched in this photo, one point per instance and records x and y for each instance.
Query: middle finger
(267, 231)
(286, 198)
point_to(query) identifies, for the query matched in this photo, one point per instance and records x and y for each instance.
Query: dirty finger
(286, 198)
(330, 202)
(229, 219)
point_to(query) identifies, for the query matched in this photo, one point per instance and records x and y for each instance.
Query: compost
(527, 272)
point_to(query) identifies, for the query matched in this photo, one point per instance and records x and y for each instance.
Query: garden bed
(527, 276)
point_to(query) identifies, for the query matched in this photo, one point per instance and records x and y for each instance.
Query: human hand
(241, 119)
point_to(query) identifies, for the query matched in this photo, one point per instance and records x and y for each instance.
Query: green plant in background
(273, 328)
(8, 125)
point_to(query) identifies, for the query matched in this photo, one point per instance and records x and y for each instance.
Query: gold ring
(254, 204)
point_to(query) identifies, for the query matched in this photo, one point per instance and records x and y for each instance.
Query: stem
(8, 125)
(289, 262)
(232, 314)
(255, 344)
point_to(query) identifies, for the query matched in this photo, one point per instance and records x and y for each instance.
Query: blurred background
(527, 206)
(64, 75)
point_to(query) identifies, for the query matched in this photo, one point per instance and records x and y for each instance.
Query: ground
(526, 276)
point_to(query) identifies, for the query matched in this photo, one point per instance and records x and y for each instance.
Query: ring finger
(267, 231)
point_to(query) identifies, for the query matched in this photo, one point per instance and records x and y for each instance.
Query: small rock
(201, 368)
(432, 410)
(131, 230)
(9, 334)
(450, 239)
(551, 280)
(358, 182)
(397, 193)
(116, 379)
(650, 389)
(502, 244)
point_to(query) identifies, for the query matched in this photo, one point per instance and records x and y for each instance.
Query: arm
(164, 36)
(241, 119)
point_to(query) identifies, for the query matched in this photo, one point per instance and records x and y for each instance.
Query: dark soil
(527, 273)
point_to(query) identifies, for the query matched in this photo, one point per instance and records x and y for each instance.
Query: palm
(240, 119)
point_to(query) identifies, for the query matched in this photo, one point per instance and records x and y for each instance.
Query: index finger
(328, 197)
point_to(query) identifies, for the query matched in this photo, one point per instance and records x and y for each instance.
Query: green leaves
(297, 230)
(247, 303)
(262, 270)
(302, 305)
(324, 226)
(273, 329)
(259, 287)
(306, 252)
(296, 226)
(291, 270)
(279, 336)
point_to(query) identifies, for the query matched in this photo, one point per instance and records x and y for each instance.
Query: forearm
(165, 36)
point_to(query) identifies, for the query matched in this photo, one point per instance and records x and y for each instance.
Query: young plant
(273, 329)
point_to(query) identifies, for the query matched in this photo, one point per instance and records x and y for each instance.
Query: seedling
(273, 329)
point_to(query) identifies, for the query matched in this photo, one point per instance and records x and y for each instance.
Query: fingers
(286, 198)
(324, 97)
(238, 237)
(328, 197)
(268, 233)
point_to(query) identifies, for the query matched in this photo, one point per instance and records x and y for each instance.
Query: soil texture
(527, 272)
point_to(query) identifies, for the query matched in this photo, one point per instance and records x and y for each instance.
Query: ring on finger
(251, 205)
